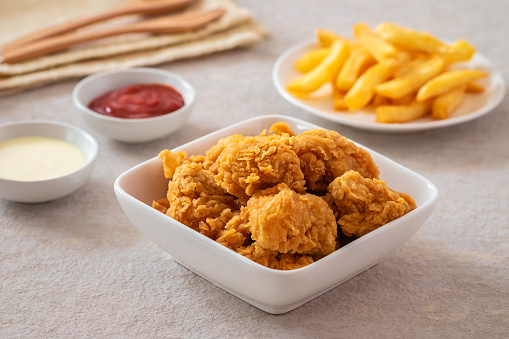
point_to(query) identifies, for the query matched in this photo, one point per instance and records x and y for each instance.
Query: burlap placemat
(237, 27)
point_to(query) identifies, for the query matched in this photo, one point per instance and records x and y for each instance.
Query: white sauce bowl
(38, 191)
(132, 130)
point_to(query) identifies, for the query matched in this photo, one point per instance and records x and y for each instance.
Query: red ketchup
(138, 101)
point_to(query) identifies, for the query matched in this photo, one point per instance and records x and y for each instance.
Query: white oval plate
(320, 102)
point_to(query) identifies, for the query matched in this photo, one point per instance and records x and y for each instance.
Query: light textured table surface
(77, 268)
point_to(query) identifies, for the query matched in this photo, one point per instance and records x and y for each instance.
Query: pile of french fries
(405, 74)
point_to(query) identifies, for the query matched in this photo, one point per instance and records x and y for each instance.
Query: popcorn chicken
(278, 198)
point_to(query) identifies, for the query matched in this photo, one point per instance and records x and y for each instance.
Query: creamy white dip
(37, 158)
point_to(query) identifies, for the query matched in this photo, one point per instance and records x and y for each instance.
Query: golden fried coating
(236, 233)
(161, 205)
(279, 128)
(277, 198)
(197, 201)
(250, 164)
(365, 204)
(285, 221)
(325, 155)
(213, 153)
(274, 259)
(171, 161)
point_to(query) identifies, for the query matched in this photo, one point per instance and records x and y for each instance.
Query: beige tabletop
(77, 268)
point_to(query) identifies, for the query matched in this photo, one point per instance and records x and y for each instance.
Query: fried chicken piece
(250, 164)
(236, 233)
(326, 154)
(213, 153)
(249, 194)
(197, 201)
(365, 204)
(285, 221)
(274, 259)
(279, 128)
(161, 205)
(170, 162)
(231, 239)
(173, 160)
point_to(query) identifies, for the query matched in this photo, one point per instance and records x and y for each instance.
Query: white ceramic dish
(50, 189)
(320, 103)
(132, 130)
(270, 290)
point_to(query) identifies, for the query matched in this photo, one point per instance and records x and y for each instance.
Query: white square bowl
(270, 290)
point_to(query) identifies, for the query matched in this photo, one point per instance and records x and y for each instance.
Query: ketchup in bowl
(138, 101)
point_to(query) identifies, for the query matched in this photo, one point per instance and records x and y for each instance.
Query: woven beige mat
(237, 27)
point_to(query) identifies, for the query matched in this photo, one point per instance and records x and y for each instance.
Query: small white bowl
(270, 290)
(38, 191)
(132, 130)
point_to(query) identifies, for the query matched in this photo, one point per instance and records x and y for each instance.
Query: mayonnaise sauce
(38, 158)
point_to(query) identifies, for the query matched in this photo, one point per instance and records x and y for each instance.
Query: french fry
(379, 100)
(363, 89)
(326, 38)
(359, 58)
(410, 83)
(409, 38)
(474, 87)
(339, 100)
(446, 103)
(378, 47)
(322, 73)
(448, 81)
(402, 113)
(405, 100)
(461, 50)
(403, 56)
(410, 66)
(401, 72)
(309, 60)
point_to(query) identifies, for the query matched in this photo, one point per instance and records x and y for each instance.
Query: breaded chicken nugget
(325, 155)
(213, 153)
(274, 259)
(365, 204)
(197, 201)
(249, 164)
(285, 221)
